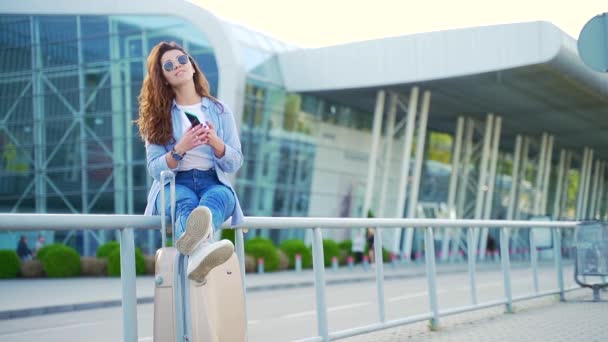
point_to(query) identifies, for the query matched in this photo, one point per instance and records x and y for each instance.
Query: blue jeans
(195, 188)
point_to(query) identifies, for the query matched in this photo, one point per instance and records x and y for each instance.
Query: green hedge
(61, 261)
(295, 246)
(263, 248)
(330, 250)
(45, 249)
(228, 234)
(9, 264)
(107, 248)
(114, 262)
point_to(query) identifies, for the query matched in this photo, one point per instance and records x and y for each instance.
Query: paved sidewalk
(545, 319)
(31, 297)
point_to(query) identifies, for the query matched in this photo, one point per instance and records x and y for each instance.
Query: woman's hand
(209, 137)
(193, 137)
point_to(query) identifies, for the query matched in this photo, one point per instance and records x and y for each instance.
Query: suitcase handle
(163, 231)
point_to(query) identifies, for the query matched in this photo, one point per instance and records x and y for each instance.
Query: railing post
(506, 268)
(534, 259)
(379, 274)
(557, 250)
(319, 269)
(431, 276)
(127, 275)
(239, 241)
(471, 256)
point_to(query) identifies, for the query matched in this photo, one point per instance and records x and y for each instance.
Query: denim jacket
(232, 160)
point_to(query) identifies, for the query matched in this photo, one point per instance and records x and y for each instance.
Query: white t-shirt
(200, 157)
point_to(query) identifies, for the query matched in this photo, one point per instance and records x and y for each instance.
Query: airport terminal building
(489, 122)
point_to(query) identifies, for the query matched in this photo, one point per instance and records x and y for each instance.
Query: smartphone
(193, 119)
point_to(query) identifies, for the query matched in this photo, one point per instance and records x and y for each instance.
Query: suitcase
(186, 310)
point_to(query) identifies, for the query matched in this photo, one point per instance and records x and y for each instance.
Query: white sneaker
(198, 228)
(206, 256)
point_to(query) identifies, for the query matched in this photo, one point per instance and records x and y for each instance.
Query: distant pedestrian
(358, 248)
(23, 251)
(370, 244)
(39, 244)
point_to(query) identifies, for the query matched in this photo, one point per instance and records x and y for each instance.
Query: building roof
(529, 73)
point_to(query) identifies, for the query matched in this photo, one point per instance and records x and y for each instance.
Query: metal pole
(413, 200)
(565, 180)
(506, 266)
(319, 269)
(388, 154)
(379, 274)
(445, 244)
(557, 250)
(539, 175)
(587, 183)
(405, 162)
(594, 188)
(524, 168)
(581, 185)
(598, 211)
(483, 174)
(487, 212)
(84, 183)
(559, 185)
(547, 175)
(534, 260)
(371, 166)
(127, 275)
(464, 180)
(240, 252)
(431, 276)
(514, 178)
(471, 263)
(463, 184)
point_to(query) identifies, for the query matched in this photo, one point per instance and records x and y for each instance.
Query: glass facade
(68, 98)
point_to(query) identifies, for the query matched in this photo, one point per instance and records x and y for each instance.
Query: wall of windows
(68, 98)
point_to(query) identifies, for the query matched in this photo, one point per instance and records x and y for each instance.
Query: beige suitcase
(211, 311)
(189, 311)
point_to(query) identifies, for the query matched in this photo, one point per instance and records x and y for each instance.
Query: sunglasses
(169, 66)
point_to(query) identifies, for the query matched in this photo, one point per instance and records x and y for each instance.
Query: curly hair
(156, 96)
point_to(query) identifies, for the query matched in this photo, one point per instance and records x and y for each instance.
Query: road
(289, 314)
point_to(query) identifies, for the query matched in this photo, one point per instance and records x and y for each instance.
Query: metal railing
(127, 223)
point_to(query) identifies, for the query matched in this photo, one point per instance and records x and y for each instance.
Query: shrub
(228, 234)
(61, 261)
(293, 247)
(40, 255)
(107, 248)
(9, 264)
(263, 248)
(346, 250)
(330, 250)
(32, 269)
(114, 262)
(95, 267)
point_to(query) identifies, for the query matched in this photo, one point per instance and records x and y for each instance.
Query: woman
(201, 155)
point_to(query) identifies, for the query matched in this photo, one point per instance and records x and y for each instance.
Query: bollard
(393, 257)
(365, 262)
(496, 256)
(405, 258)
(418, 257)
(298, 263)
(351, 262)
(334, 263)
(260, 265)
(460, 255)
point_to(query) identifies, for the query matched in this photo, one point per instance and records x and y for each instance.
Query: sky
(317, 23)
